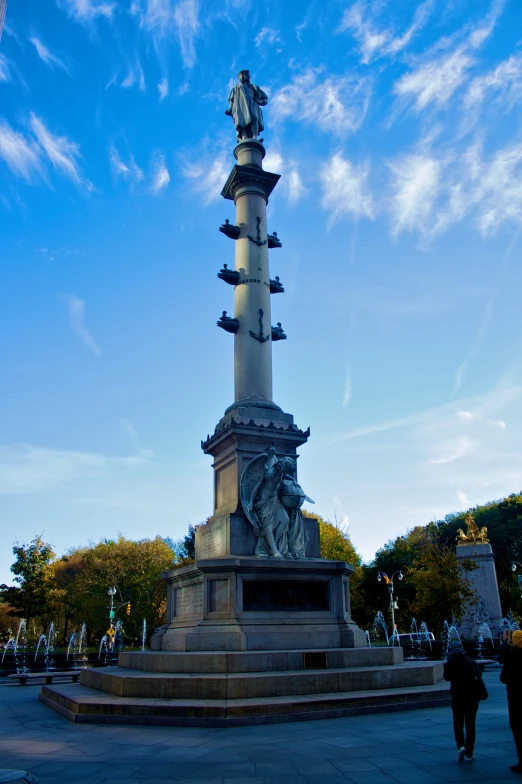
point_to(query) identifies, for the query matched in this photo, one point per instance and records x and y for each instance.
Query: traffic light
(128, 608)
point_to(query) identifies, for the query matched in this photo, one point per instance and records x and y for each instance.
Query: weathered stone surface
(255, 661)
(232, 534)
(484, 580)
(133, 683)
(222, 622)
(86, 705)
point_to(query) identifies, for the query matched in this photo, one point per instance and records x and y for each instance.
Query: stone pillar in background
(484, 580)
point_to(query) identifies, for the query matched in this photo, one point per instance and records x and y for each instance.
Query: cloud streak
(76, 310)
(62, 153)
(87, 10)
(345, 189)
(336, 105)
(160, 173)
(374, 43)
(46, 56)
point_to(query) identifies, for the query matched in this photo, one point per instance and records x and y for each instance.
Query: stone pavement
(410, 747)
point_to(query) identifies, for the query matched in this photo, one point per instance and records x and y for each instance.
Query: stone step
(86, 705)
(257, 661)
(132, 683)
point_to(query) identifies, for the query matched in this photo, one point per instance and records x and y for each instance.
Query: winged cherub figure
(272, 501)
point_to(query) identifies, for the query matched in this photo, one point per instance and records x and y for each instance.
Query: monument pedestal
(484, 580)
(252, 604)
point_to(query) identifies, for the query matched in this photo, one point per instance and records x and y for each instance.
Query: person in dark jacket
(511, 675)
(462, 672)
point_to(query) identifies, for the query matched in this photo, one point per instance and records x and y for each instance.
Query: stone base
(225, 689)
(484, 580)
(241, 604)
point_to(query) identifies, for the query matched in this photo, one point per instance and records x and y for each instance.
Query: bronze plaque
(318, 660)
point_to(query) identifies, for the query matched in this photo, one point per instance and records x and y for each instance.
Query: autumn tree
(442, 588)
(134, 569)
(33, 572)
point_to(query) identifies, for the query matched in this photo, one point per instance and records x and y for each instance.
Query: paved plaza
(405, 747)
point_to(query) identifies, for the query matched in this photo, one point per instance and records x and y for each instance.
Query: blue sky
(397, 130)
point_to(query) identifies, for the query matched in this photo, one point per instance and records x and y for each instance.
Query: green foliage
(133, 568)
(503, 519)
(33, 571)
(185, 548)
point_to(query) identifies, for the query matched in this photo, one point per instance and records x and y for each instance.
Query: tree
(33, 570)
(185, 548)
(134, 569)
(442, 587)
(503, 519)
(336, 545)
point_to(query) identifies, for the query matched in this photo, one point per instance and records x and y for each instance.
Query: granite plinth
(256, 661)
(133, 683)
(240, 604)
(82, 704)
(484, 580)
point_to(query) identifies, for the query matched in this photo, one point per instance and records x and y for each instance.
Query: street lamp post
(112, 593)
(393, 604)
(514, 567)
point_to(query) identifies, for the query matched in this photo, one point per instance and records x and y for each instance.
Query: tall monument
(258, 581)
(253, 424)
(474, 546)
(259, 628)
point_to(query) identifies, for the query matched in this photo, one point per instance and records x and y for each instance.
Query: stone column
(249, 186)
(484, 580)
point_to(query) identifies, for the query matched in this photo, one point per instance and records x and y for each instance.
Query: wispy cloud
(435, 82)
(135, 439)
(376, 43)
(47, 56)
(26, 469)
(163, 88)
(435, 79)
(163, 18)
(130, 171)
(345, 189)
(502, 86)
(291, 184)
(87, 10)
(20, 154)
(186, 17)
(76, 310)
(135, 76)
(415, 185)
(62, 153)
(207, 176)
(5, 71)
(460, 447)
(267, 36)
(160, 173)
(335, 105)
(478, 409)
(431, 192)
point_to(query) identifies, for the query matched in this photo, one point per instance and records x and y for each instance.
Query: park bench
(16, 775)
(30, 676)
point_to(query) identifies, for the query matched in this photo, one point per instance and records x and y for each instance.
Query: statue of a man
(244, 106)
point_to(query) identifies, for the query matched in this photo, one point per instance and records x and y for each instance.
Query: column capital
(248, 179)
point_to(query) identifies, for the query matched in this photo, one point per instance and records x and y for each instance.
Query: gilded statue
(272, 502)
(473, 534)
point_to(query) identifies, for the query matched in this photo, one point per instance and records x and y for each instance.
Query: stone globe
(291, 494)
